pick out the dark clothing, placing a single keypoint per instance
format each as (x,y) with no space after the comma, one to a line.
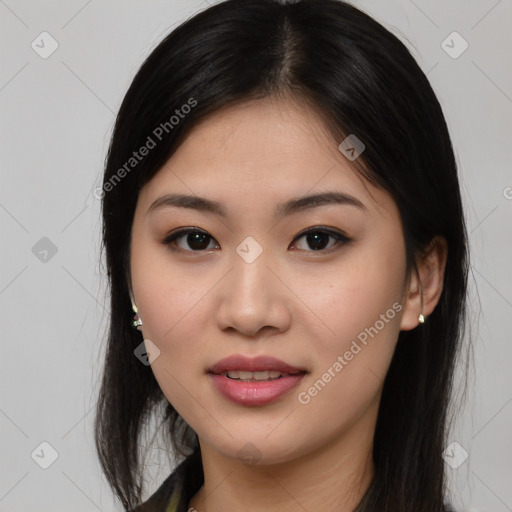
(177,490)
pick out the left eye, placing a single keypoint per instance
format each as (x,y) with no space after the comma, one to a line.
(318,238)
(199,240)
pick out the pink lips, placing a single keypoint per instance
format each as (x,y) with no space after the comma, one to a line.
(254,393)
(252,364)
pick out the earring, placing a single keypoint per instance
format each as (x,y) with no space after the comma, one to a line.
(136,319)
(421,319)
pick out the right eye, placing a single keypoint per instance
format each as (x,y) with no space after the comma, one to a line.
(196,239)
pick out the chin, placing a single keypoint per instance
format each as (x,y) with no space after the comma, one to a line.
(259,449)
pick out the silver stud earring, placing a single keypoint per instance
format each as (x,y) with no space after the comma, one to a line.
(137,322)
(421,319)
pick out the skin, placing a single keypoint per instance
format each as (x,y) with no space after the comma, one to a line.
(300,305)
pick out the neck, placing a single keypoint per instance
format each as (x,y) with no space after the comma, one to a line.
(333,477)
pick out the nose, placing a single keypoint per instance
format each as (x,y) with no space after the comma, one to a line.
(253,300)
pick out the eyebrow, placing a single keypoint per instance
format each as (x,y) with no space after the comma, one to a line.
(290,207)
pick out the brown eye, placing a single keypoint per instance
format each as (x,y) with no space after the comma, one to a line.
(196,240)
(318,239)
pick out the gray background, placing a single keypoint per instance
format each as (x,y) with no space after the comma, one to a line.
(57,116)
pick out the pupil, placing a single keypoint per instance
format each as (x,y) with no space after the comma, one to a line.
(196,241)
(313,240)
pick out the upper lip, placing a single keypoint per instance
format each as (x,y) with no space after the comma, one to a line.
(252,364)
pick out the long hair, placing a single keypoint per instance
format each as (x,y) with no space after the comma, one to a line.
(361,80)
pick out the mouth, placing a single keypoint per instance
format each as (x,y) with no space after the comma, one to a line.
(254,381)
(261,376)
(243,367)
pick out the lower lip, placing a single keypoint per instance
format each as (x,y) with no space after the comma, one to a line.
(253,393)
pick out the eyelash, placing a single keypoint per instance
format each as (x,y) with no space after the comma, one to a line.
(339,237)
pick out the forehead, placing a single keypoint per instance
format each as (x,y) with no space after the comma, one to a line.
(266,134)
(261,151)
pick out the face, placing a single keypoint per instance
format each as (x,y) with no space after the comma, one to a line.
(320,287)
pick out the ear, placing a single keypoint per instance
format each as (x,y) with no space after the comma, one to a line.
(425,283)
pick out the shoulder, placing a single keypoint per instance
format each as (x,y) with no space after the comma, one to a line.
(177,489)
(158,501)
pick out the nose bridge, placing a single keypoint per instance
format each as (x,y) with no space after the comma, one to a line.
(251,277)
(252,297)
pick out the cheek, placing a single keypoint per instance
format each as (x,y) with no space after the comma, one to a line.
(170,305)
(358,292)
(166,294)
(359,302)
(173,308)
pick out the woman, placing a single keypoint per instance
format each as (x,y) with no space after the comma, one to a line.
(283,226)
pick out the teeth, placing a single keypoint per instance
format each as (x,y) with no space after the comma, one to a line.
(267,375)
